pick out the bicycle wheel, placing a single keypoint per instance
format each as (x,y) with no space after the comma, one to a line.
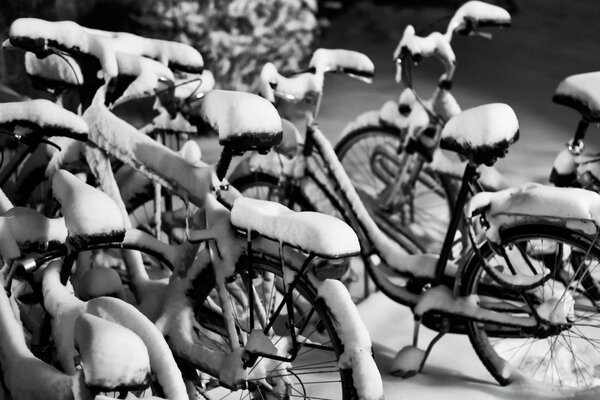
(313,373)
(371,160)
(265,186)
(564,352)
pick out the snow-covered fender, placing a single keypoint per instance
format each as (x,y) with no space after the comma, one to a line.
(532,203)
(388,116)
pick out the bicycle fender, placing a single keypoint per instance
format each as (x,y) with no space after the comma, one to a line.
(573,208)
(388,115)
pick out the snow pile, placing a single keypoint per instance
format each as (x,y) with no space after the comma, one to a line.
(310,231)
(55,68)
(535,202)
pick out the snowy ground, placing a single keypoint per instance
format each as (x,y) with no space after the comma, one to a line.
(521,66)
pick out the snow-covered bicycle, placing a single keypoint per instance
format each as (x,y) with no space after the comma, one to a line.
(391,155)
(241,293)
(526,283)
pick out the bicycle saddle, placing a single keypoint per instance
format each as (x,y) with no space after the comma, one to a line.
(39,36)
(91,215)
(43,115)
(54,73)
(322,234)
(481,134)
(113,357)
(24,228)
(581,93)
(243,121)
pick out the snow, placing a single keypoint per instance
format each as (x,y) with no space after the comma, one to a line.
(488,73)
(558,309)
(237,114)
(531,202)
(44,114)
(66,35)
(434,44)
(345,61)
(290,140)
(486,125)
(294,88)
(173,54)
(391,253)
(112,356)
(164,121)
(116,137)
(355,337)
(27,226)
(582,89)
(87,211)
(53,67)
(322,234)
(478,11)
(147,73)
(408,361)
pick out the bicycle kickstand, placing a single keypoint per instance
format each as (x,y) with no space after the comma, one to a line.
(410,360)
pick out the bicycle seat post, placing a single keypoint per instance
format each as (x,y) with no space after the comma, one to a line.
(469,175)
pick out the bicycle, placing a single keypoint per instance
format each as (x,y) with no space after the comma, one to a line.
(439,291)
(391,154)
(194,187)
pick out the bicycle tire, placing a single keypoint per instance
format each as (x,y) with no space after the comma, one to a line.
(313,321)
(434,197)
(509,353)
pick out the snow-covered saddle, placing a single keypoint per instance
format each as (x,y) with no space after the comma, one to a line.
(581,92)
(481,134)
(91,216)
(24,229)
(53,72)
(322,234)
(343,61)
(39,36)
(243,121)
(43,115)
